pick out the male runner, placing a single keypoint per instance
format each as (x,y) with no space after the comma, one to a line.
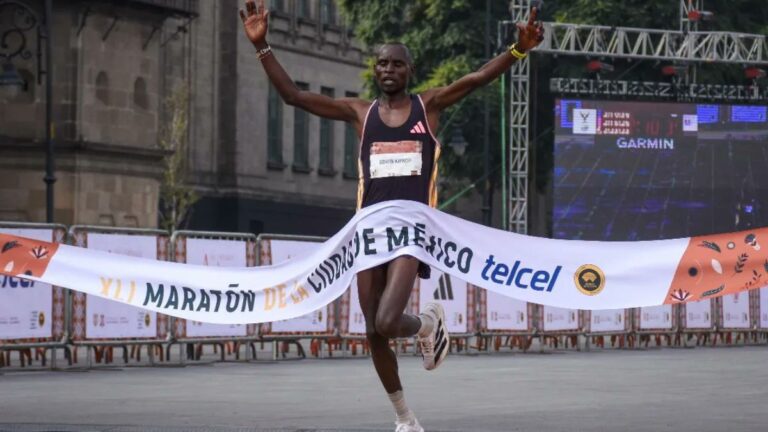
(397,123)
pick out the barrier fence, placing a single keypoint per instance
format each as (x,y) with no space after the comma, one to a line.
(100,324)
(37,319)
(215,249)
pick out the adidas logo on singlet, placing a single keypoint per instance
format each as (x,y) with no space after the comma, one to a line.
(418,129)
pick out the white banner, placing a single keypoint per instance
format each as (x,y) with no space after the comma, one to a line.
(506,313)
(356,317)
(451,293)
(26,307)
(557,273)
(559,319)
(215,253)
(106,318)
(763,295)
(656,317)
(313,322)
(612,320)
(735,311)
(698,315)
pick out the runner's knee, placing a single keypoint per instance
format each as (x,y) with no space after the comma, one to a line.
(387,325)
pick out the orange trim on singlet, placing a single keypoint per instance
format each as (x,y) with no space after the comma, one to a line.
(433,198)
(433,180)
(360,174)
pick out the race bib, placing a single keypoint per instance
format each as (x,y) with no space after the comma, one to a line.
(395,159)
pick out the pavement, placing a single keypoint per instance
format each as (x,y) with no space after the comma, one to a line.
(701,389)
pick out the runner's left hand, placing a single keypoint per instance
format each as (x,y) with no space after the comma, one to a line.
(530,34)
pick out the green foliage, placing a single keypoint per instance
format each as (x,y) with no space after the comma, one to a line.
(176,196)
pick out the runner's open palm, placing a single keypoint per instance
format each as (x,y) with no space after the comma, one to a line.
(255,21)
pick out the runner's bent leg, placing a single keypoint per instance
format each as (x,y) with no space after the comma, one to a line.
(391,319)
(370,286)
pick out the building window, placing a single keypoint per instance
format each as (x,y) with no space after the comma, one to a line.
(301,136)
(326,140)
(102,88)
(350,147)
(303,9)
(328,12)
(274,129)
(140,96)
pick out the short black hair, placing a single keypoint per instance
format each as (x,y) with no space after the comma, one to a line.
(408,56)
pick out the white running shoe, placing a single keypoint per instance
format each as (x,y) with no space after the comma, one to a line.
(434,348)
(410,425)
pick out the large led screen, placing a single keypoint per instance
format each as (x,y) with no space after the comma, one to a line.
(646,171)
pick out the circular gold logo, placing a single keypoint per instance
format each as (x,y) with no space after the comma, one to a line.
(41,319)
(147,320)
(589,279)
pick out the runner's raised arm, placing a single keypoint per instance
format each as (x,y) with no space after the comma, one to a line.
(256,22)
(529,36)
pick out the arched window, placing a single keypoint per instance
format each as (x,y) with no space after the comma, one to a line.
(140,97)
(102,87)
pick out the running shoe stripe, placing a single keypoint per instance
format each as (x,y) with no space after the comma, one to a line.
(440,350)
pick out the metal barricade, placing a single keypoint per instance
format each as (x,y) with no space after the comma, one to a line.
(558,326)
(98,324)
(615,324)
(218,249)
(504,321)
(319,326)
(35,315)
(699,320)
(657,323)
(736,317)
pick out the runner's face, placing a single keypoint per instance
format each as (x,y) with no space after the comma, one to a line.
(392,69)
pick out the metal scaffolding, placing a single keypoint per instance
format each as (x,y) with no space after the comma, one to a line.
(687,45)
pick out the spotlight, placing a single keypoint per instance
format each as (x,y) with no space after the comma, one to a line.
(596,66)
(697,15)
(754,73)
(674,70)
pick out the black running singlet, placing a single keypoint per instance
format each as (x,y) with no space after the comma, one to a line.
(398,162)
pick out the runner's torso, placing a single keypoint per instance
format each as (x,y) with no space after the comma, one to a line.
(398,162)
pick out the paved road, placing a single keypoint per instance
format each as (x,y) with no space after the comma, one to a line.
(702,389)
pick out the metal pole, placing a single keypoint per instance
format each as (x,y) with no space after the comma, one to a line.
(50,178)
(487,126)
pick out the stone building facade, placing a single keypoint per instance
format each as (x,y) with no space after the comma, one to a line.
(257,165)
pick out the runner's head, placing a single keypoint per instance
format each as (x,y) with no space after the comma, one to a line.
(393,68)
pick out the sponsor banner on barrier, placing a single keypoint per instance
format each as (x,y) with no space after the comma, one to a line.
(451,293)
(698,315)
(735,311)
(106,318)
(26,307)
(763,299)
(505,313)
(611,320)
(356,317)
(215,253)
(559,319)
(557,273)
(313,322)
(655,318)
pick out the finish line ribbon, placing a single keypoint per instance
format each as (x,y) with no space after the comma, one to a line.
(564,273)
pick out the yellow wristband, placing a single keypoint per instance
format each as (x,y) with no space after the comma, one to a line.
(515,53)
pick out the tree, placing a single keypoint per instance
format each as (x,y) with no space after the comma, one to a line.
(176,196)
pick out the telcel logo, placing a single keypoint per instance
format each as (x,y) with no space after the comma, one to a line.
(522,277)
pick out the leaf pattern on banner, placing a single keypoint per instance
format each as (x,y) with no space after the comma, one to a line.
(710,245)
(10,245)
(740,262)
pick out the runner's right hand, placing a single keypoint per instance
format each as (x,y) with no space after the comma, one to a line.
(255,21)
